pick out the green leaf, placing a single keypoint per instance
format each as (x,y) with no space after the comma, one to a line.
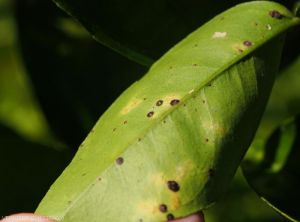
(177,136)
(72,66)
(142,30)
(270,159)
(276,178)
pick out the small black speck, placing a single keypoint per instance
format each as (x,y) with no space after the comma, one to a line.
(173,185)
(163,208)
(159,102)
(99,179)
(114,129)
(125,122)
(174,102)
(195,64)
(150,114)
(211,172)
(203,101)
(144,98)
(275,14)
(206,140)
(209,84)
(170,217)
(247,43)
(120,160)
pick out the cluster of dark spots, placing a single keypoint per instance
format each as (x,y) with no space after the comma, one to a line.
(174,102)
(247,43)
(150,114)
(173,185)
(275,14)
(159,102)
(125,122)
(120,160)
(211,172)
(163,208)
(170,217)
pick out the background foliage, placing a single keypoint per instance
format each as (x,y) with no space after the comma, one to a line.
(56,80)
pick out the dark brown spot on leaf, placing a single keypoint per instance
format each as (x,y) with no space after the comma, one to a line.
(114,129)
(275,14)
(173,185)
(174,102)
(125,122)
(203,101)
(120,160)
(195,64)
(170,217)
(163,208)
(150,114)
(206,140)
(159,102)
(247,43)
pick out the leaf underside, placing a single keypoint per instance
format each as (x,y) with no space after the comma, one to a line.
(187,122)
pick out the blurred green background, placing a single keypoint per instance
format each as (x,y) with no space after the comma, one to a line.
(56,80)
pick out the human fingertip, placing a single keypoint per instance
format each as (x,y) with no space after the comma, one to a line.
(26,217)
(198,217)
